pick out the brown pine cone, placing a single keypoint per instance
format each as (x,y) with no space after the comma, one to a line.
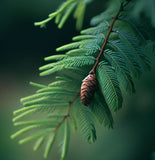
(88,88)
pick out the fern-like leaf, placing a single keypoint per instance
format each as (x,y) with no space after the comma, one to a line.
(49,144)
(65,140)
(101,110)
(112,50)
(122,73)
(86,124)
(64,11)
(109,86)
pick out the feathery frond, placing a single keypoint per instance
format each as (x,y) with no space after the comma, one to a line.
(86,124)
(64,11)
(111,50)
(109,86)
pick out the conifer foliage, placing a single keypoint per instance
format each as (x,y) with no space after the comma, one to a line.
(98,67)
(64,11)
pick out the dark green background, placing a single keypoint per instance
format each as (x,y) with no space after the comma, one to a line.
(22,49)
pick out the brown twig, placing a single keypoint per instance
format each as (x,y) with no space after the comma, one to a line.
(68,113)
(106,53)
(106,39)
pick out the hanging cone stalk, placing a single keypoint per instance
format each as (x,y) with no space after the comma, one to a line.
(88,88)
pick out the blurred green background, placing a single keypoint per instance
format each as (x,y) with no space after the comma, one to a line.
(22,49)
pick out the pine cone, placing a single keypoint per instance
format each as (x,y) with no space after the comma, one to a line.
(88,88)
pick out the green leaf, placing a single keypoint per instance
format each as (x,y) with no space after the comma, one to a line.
(24,114)
(31,107)
(66,15)
(68,46)
(79,14)
(64,8)
(100,109)
(121,70)
(38,143)
(96,30)
(129,42)
(83,37)
(23,130)
(37,85)
(49,144)
(109,86)
(69,63)
(86,124)
(55,57)
(64,11)
(128,57)
(66,138)
(46,122)
(38,135)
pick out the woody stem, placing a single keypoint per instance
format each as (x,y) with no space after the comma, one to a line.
(106,39)
(68,113)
